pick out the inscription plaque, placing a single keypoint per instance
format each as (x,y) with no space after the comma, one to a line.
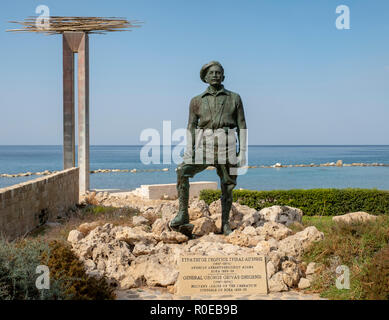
(222,275)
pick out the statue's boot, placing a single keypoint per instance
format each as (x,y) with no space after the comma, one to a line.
(226,229)
(180,222)
(226,202)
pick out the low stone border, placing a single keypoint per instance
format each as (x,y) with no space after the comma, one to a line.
(162,294)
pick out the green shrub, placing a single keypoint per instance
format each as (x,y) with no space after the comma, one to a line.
(69,271)
(18,263)
(324,202)
(68,280)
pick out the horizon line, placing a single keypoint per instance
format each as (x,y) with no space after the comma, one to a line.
(250,145)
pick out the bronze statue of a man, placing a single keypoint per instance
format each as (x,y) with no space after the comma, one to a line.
(216,113)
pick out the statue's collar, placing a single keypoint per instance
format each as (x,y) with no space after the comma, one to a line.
(209,91)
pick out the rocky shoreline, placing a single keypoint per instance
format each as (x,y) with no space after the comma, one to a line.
(338,163)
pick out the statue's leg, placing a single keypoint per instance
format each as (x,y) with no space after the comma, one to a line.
(184,172)
(182,216)
(227,183)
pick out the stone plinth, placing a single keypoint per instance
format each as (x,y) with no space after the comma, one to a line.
(161,191)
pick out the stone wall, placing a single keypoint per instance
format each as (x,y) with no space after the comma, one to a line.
(27,205)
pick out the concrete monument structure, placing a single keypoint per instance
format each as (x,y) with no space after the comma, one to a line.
(75,39)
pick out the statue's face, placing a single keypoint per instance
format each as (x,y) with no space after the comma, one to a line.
(214,75)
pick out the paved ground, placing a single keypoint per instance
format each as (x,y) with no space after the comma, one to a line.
(162,294)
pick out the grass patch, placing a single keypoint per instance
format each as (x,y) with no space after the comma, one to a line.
(89,213)
(354,245)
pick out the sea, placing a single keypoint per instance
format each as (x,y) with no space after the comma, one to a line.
(18,159)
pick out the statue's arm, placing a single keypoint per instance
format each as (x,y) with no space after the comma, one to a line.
(242,130)
(192,125)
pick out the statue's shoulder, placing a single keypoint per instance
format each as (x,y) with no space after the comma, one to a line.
(233,94)
(196,99)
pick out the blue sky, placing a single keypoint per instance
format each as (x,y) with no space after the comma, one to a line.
(302,81)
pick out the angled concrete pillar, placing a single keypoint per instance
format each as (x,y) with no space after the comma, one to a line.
(76,42)
(68,105)
(83,113)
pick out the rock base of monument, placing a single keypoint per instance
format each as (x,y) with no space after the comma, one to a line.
(147,253)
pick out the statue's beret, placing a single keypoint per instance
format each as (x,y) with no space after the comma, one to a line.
(205,67)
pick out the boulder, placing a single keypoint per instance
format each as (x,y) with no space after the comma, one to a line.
(274,230)
(266,246)
(215,210)
(139,220)
(270,269)
(75,236)
(133,235)
(250,231)
(171,237)
(150,215)
(155,270)
(241,239)
(294,246)
(160,226)
(282,214)
(291,273)
(354,217)
(198,209)
(311,268)
(87,227)
(249,216)
(203,226)
(276,283)
(304,283)
(143,248)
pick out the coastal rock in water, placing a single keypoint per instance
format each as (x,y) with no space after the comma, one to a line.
(339,163)
(354,217)
(282,214)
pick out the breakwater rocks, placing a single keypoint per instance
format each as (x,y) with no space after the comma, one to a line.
(338,163)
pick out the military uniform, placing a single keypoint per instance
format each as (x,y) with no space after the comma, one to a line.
(209,113)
